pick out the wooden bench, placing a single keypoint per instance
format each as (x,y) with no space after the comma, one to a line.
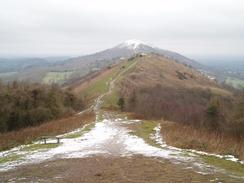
(45,138)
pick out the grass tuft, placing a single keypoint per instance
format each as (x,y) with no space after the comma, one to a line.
(34,147)
(144,130)
(228,165)
(8,158)
(80,133)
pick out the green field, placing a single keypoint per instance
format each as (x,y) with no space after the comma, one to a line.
(7,74)
(236,83)
(56,77)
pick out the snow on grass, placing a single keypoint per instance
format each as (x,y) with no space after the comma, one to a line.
(159,139)
(108,137)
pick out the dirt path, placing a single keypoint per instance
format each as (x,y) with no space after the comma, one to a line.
(137,169)
(110,140)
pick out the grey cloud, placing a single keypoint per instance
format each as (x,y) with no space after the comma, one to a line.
(63,27)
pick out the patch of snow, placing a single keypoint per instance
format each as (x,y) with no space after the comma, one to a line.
(131,44)
(107,137)
(110,138)
(158,137)
(226,157)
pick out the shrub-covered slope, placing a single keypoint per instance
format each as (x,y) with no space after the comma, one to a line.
(159,87)
(23,104)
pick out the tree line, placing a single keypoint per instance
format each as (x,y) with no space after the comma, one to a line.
(24,104)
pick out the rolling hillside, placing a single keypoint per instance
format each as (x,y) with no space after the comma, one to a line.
(180,97)
(175,104)
(80,66)
(161,87)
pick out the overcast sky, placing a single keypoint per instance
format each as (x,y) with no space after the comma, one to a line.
(194,28)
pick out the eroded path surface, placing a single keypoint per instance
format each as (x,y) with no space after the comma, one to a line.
(107,151)
(136,169)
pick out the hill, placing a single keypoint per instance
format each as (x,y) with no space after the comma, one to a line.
(161,87)
(177,96)
(180,97)
(151,87)
(78,67)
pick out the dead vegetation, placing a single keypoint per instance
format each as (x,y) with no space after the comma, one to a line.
(56,127)
(188,137)
(26,104)
(161,88)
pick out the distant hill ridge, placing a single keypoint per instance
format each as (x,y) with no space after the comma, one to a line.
(83,65)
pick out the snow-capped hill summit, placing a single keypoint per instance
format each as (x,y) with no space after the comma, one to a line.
(125,50)
(131,44)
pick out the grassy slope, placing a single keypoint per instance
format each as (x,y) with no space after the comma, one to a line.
(153,70)
(92,88)
(158,90)
(110,101)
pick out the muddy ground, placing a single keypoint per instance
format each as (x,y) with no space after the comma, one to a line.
(136,169)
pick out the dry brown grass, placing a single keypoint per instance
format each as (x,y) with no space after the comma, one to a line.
(26,135)
(162,88)
(187,137)
(153,70)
